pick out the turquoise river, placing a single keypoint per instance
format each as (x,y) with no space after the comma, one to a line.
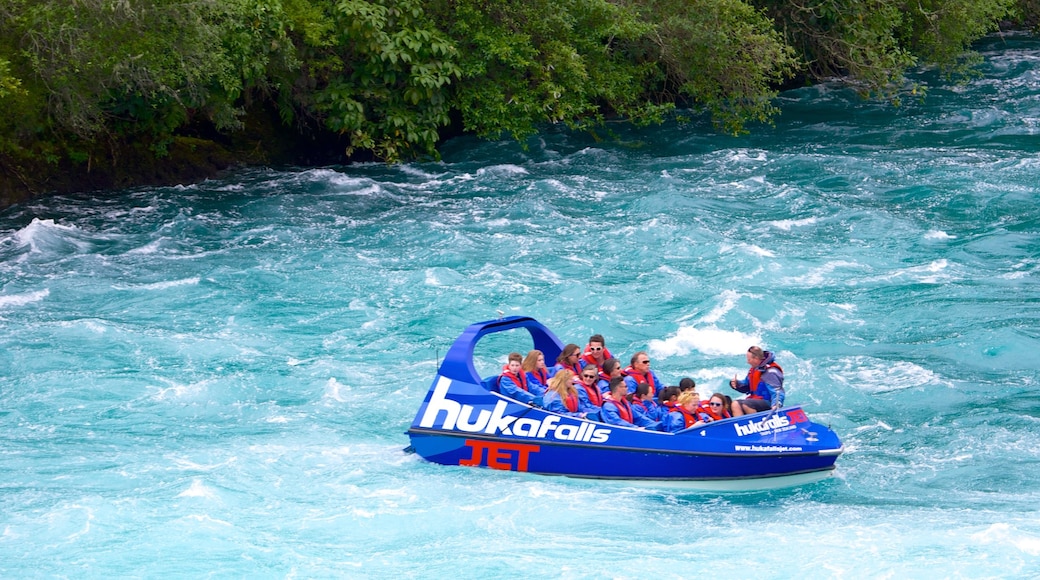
(215,380)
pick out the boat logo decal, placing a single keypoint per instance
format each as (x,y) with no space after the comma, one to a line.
(771,424)
(505,456)
(457,416)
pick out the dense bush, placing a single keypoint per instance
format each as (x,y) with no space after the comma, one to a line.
(81,81)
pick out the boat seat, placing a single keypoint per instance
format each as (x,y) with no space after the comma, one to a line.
(491,383)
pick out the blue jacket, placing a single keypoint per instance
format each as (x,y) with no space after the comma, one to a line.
(650,408)
(676,420)
(508,386)
(553,402)
(533,379)
(673,422)
(632,383)
(769,378)
(558,367)
(612,416)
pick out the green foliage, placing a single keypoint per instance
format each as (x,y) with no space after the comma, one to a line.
(873,42)
(79,78)
(723,54)
(940,32)
(9,85)
(103,70)
(544,61)
(389,94)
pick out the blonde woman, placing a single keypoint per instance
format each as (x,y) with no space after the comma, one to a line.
(562,397)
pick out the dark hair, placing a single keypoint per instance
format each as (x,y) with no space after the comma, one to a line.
(642,389)
(597,338)
(614,382)
(562,359)
(515,356)
(610,365)
(667,393)
(757,352)
(687,383)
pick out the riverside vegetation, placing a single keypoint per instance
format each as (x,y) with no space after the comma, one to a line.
(110,93)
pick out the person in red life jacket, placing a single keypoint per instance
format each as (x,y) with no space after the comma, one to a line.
(611,370)
(718,407)
(764,384)
(513,381)
(684,414)
(568,359)
(596,352)
(587,388)
(562,396)
(643,403)
(618,411)
(533,366)
(639,372)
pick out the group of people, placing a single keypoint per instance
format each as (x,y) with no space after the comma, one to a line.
(591,383)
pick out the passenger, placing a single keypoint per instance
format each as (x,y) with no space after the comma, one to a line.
(596,352)
(643,403)
(611,369)
(587,388)
(568,359)
(618,411)
(562,397)
(639,372)
(764,384)
(718,408)
(685,414)
(513,381)
(668,397)
(534,366)
(686,384)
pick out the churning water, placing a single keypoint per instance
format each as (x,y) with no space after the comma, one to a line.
(215,380)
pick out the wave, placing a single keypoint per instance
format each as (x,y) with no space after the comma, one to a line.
(13,300)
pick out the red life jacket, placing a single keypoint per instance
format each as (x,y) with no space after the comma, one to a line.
(707,409)
(576,369)
(688,417)
(520,380)
(754,376)
(624,409)
(595,397)
(571,402)
(639,377)
(542,375)
(589,359)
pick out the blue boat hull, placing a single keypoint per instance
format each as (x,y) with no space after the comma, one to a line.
(461,422)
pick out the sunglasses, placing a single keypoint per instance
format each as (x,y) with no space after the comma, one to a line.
(715,404)
(644,362)
(595,348)
(589,376)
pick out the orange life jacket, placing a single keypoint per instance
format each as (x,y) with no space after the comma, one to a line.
(754,376)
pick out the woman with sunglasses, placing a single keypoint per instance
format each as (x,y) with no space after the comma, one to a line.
(568,359)
(718,407)
(588,390)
